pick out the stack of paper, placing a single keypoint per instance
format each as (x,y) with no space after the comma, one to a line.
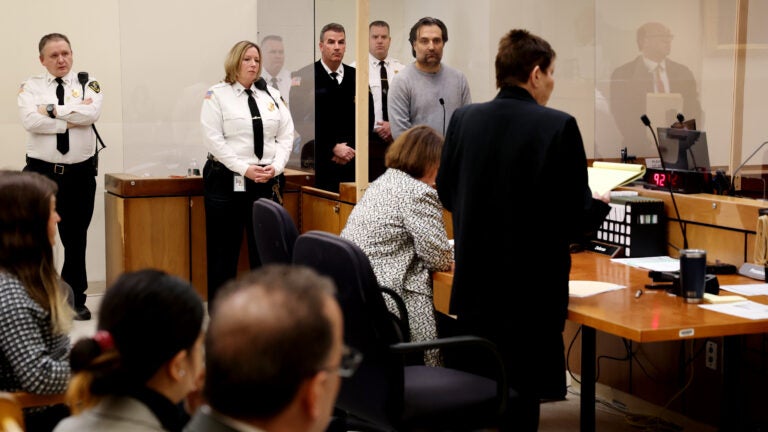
(606,176)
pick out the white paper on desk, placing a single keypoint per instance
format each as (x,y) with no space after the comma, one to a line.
(747,290)
(658,263)
(585,288)
(744,309)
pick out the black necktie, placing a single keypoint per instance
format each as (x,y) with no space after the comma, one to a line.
(258,131)
(273,82)
(333,76)
(384,90)
(62,139)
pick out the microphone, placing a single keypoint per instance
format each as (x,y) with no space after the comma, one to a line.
(731,189)
(261,84)
(442,103)
(646,121)
(82,78)
(680,118)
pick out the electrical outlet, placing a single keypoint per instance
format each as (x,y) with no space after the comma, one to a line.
(710,353)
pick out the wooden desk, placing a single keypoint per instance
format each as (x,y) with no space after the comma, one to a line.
(653,317)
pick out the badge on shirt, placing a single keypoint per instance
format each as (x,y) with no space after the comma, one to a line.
(271,106)
(239,183)
(75,94)
(94,85)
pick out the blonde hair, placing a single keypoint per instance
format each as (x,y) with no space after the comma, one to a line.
(235,57)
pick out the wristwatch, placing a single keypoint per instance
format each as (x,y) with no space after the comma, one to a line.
(49,108)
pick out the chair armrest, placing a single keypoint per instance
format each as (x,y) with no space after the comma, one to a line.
(27,400)
(11,416)
(402,321)
(502,389)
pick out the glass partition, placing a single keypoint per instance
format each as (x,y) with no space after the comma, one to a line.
(601,75)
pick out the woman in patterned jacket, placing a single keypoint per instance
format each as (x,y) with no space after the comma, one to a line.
(399,225)
(35,317)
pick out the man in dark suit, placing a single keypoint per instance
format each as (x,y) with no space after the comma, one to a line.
(333,93)
(650,72)
(274,354)
(509,167)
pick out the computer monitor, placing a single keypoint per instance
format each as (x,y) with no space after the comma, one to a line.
(684,149)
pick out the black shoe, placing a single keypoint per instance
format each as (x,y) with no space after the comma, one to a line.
(82,313)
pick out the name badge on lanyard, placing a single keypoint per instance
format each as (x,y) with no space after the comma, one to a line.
(239,183)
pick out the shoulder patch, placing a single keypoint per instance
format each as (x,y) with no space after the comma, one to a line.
(208,94)
(94,85)
(295,81)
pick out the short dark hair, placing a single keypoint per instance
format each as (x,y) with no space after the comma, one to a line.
(415,151)
(271,37)
(331,27)
(378,23)
(257,360)
(49,37)
(425,22)
(520,52)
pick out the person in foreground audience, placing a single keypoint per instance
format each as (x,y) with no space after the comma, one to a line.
(501,164)
(34,315)
(274,354)
(399,225)
(144,359)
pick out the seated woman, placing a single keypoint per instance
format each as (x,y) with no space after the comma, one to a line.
(399,225)
(35,317)
(143,361)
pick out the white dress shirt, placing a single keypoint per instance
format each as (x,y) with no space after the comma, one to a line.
(41,140)
(228,127)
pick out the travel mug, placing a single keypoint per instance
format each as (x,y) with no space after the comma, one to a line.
(693,271)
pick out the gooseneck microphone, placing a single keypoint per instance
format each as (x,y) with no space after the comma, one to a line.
(646,121)
(731,188)
(442,103)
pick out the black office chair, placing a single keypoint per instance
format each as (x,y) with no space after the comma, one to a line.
(274,230)
(387,394)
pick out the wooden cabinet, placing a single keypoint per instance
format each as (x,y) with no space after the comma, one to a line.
(155,222)
(159,222)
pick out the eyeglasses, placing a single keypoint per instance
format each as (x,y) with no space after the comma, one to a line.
(350,361)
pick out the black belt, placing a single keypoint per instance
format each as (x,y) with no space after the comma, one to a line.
(41,166)
(212,158)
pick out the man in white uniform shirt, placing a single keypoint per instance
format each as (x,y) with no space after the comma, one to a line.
(273,63)
(58,113)
(381,69)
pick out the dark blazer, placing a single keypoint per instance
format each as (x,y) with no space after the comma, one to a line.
(334,120)
(629,85)
(204,422)
(514,175)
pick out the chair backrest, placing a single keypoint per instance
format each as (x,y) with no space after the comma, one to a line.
(274,231)
(375,392)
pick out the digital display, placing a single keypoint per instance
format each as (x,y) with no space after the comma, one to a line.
(681,181)
(665,179)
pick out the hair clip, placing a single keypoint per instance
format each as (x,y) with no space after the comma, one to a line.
(104,339)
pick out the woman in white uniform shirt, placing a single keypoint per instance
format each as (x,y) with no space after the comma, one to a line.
(234,176)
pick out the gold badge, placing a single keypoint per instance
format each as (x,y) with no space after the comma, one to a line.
(75,94)
(271,106)
(94,85)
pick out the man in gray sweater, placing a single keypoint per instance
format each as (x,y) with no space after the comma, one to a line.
(426,91)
